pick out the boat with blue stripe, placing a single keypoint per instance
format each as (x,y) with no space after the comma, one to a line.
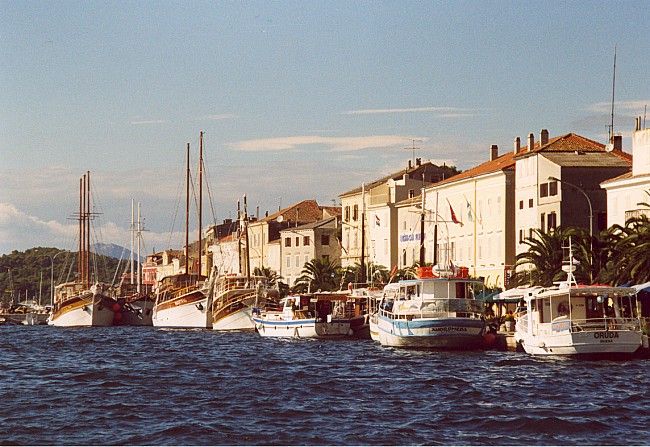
(438,310)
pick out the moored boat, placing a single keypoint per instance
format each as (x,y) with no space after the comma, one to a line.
(183,301)
(312,315)
(439,310)
(580,320)
(79,302)
(234,298)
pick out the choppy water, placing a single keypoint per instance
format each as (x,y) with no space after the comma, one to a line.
(146,386)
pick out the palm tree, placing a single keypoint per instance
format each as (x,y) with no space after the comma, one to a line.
(627,260)
(270,274)
(318,274)
(541,265)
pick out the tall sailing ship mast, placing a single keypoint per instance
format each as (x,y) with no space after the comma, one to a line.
(184,299)
(81,302)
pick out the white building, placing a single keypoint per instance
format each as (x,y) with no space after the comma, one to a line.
(629,194)
(479,235)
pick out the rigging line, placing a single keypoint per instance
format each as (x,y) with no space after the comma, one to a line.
(179,194)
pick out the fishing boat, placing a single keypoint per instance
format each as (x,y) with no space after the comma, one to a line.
(571,319)
(312,315)
(438,310)
(80,302)
(184,300)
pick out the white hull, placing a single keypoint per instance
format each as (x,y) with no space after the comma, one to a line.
(189,315)
(239,321)
(92,314)
(374,327)
(582,343)
(442,333)
(303,328)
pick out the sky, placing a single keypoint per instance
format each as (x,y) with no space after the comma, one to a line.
(297,99)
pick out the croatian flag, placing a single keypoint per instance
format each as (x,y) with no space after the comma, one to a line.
(377,221)
(453,215)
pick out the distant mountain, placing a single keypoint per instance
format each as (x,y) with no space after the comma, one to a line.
(113,251)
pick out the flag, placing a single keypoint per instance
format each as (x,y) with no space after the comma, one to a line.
(470,215)
(392,273)
(377,221)
(453,215)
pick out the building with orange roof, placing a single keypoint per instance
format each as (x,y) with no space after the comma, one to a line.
(469,221)
(558,182)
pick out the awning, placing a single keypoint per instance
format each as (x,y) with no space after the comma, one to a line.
(640,287)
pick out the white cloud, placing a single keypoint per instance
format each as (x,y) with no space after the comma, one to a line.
(407,110)
(620,106)
(139,123)
(333,144)
(216,117)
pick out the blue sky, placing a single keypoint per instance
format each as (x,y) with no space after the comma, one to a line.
(298,100)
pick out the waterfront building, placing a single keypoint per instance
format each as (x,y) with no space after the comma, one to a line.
(300,245)
(628,195)
(474,215)
(263,233)
(372,207)
(558,182)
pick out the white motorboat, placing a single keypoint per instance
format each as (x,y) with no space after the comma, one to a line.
(439,310)
(584,320)
(315,315)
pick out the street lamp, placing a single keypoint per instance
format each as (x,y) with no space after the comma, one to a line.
(52,275)
(591,211)
(591,220)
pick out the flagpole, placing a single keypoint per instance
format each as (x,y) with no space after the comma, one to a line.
(435,235)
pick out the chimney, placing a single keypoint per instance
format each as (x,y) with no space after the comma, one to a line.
(543,137)
(418,162)
(410,165)
(517,145)
(618,142)
(494,152)
(637,121)
(531,142)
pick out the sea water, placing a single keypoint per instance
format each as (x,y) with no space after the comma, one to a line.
(149,386)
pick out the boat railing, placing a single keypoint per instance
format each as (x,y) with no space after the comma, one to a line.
(236,297)
(432,308)
(598,324)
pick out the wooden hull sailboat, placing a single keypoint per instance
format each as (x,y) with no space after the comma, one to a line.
(79,303)
(184,300)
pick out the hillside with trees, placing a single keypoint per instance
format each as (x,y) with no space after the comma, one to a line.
(28,274)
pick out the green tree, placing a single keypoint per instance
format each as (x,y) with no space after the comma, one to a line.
(318,274)
(627,253)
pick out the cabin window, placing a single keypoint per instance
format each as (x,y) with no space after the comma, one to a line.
(460,290)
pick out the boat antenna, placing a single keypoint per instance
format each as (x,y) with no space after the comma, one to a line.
(611,135)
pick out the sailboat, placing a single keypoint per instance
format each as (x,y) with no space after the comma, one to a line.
(236,296)
(136,302)
(80,303)
(183,300)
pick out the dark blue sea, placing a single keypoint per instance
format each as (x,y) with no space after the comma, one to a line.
(146,386)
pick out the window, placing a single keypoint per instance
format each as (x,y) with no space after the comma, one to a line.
(542,222)
(521,236)
(521,204)
(297,260)
(347,214)
(305,241)
(297,241)
(325,239)
(288,261)
(355,213)
(543,190)
(530,203)
(530,233)
(411,193)
(552,188)
(287,242)
(552,221)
